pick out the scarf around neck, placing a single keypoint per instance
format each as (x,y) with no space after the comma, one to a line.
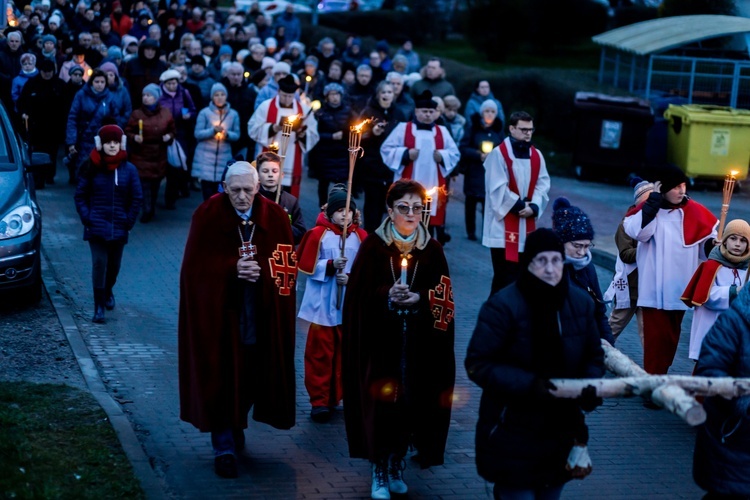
(387,232)
(721,255)
(107,162)
(581,263)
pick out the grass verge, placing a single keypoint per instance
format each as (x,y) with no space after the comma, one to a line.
(56,442)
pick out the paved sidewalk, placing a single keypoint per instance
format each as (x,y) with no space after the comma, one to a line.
(637,453)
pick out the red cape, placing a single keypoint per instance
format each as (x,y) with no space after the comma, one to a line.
(372,345)
(697,291)
(309,247)
(213,369)
(697,221)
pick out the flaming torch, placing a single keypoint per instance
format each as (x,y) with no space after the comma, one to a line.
(729,182)
(286,132)
(355,151)
(428,208)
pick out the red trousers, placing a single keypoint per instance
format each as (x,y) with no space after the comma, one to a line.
(661,334)
(323,365)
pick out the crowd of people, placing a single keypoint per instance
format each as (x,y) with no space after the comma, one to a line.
(135,92)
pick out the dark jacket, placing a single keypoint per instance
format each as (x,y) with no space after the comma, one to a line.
(242,99)
(175,104)
(139,72)
(358,95)
(204,82)
(108,202)
(522,439)
(471,164)
(290,204)
(150,157)
(587,280)
(10,66)
(722,447)
(329,159)
(372,167)
(405,103)
(44,102)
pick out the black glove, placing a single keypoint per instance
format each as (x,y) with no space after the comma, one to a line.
(588,401)
(540,388)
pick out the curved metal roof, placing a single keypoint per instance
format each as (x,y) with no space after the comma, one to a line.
(659,35)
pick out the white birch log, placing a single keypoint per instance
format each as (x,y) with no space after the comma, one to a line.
(726,387)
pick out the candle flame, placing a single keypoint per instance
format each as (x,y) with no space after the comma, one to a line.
(274,146)
(308,78)
(432,191)
(404,262)
(246,74)
(315,105)
(292,118)
(358,128)
(734,173)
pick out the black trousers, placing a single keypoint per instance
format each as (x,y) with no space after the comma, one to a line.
(470,213)
(150,189)
(505,272)
(177,182)
(106,257)
(374,208)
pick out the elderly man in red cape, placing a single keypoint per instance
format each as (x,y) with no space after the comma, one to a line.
(237,316)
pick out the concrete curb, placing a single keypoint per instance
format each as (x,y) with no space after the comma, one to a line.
(152,486)
(604,259)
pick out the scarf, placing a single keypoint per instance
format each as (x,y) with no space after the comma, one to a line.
(390,236)
(721,255)
(107,162)
(581,263)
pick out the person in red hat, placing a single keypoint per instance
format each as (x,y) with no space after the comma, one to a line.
(108,198)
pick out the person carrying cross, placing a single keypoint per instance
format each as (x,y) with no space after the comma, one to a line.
(237,316)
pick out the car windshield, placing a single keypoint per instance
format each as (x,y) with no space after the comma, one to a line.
(7,162)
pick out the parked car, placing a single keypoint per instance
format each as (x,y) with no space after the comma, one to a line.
(20,216)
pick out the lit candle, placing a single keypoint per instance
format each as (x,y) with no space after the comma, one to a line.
(315,105)
(487,147)
(404,263)
(274,147)
(729,182)
(308,79)
(428,206)
(140,128)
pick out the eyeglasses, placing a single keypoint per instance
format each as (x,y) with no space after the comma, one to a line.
(542,262)
(526,130)
(405,209)
(582,246)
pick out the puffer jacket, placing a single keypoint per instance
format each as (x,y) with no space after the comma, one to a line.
(121,99)
(329,159)
(521,440)
(150,156)
(85,119)
(18,82)
(107,201)
(212,154)
(722,448)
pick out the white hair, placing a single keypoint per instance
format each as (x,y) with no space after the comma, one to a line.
(241,168)
(394,75)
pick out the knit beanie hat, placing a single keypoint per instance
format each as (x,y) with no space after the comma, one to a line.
(75,69)
(109,133)
(333,87)
(218,87)
(281,67)
(740,228)
(170,74)
(541,240)
(488,104)
(424,100)
(288,85)
(114,52)
(54,19)
(640,187)
(109,66)
(670,178)
(337,201)
(199,60)
(258,77)
(570,223)
(152,89)
(225,50)
(49,38)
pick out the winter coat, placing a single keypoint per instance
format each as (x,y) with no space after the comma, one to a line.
(405,104)
(175,104)
(44,102)
(139,72)
(472,165)
(107,201)
(722,447)
(372,167)
(439,87)
(150,156)
(211,154)
(121,98)
(86,117)
(10,66)
(587,280)
(359,95)
(18,82)
(475,103)
(329,159)
(242,99)
(523,440)
(204,82)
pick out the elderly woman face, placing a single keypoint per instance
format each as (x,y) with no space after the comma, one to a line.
(406,213)
(489,115)
(577,249)
(548,267)
(385,96)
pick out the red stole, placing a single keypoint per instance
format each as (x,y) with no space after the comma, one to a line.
(513,221)
(309,247)
(273,112)
(697,291)
(410,142)
(697,221)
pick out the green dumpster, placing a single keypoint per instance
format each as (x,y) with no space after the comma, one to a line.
(708,142)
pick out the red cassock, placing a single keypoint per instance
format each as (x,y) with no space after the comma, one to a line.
(218,385)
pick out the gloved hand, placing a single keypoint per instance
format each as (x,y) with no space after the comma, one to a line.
(540,388)
(588,400)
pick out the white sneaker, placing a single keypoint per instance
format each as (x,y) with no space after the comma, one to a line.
(380,482)
(396,482)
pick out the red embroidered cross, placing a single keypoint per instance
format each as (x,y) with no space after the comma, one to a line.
(283,262)
(511,236)
(441,303)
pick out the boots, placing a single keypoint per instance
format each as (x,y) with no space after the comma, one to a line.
(396,475)
(109,302)
(99,299)
(379,489)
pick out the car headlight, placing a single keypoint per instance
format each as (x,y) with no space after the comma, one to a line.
(17,223)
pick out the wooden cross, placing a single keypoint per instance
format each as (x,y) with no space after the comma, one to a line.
(283,263)
(441,303)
